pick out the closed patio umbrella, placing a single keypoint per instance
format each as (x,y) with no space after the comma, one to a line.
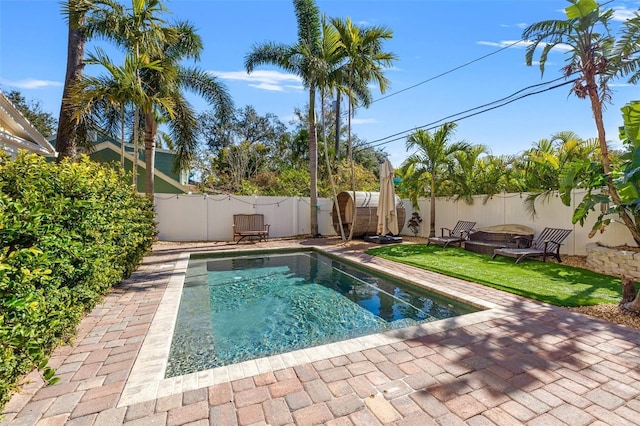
(387,215)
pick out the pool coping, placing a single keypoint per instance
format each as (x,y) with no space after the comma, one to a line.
(146,380)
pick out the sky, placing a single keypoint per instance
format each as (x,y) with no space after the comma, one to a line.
(461,39)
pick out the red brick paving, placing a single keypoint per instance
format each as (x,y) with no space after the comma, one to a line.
(539,365)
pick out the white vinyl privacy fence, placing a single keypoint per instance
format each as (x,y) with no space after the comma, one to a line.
(209,217)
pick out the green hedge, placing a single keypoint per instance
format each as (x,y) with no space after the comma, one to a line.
(68,233)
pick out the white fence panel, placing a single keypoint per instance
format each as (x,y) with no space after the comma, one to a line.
(181,217)
(209,218)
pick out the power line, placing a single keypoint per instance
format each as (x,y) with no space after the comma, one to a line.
(384,141)
(447,72)
(472,109)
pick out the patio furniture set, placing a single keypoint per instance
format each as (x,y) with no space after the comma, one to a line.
(515,241)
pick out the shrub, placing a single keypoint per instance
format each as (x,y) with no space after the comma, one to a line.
(414,223)
(68,233)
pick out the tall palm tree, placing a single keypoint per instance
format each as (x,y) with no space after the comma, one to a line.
(169,81)
(142,31)
(302,59)
(328,80)
(97,101)
(365,61)
(434,153)
(139,30)
(592,61)
(67,137)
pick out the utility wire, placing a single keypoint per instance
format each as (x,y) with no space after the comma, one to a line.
(471,109)
(384,141)
(447,72)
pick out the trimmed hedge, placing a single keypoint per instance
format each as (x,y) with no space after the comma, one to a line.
(68,233)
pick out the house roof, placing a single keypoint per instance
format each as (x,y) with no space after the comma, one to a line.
(16,132)
(111,147)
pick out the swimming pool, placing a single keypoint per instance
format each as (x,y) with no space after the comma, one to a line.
(238,308)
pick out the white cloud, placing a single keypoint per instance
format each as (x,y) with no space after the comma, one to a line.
(363,120)
(621,85)
(521,25)
(503,43)
(522,43)
(621,13)
(31,83)
(270,80)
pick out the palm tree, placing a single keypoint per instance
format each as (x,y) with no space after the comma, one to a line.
(142,32)
(67,137)
(168,83)
(465,172)
(108,19)
(328,80)
(434,153)
(365,60)
(593,60)
(547,160)
(97,101)
(302,59)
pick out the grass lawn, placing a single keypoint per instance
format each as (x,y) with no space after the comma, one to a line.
(548,282)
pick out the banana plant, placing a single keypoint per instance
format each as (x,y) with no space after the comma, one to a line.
(624,177)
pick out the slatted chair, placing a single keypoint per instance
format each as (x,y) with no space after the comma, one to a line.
(458,234)
(250,226)
(546,244)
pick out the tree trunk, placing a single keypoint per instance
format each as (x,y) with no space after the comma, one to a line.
(633,306)
(66,138)
(122,123)
(628,290)
(150,131)
(432,213)
(136,126)
(328,163)
(338,125)
(596,107)
(350,157)
(313,162)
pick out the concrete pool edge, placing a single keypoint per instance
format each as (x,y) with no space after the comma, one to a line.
(146,380)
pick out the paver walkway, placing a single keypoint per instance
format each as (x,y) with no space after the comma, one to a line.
(524,363)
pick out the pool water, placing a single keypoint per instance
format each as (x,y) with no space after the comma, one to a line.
(241,308)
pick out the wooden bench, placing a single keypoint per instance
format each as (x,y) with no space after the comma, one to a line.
(250,225)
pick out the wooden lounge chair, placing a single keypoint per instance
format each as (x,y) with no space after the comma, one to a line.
(547,244)
(458,234)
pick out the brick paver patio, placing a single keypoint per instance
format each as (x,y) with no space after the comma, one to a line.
(521,362)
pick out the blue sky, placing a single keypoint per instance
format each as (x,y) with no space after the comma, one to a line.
(430,38)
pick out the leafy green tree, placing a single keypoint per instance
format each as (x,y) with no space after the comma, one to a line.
(300,59)
(592,63)
(544,163)
(430,163)
(32,110)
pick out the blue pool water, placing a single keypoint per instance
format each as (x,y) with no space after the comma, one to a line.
(240,308)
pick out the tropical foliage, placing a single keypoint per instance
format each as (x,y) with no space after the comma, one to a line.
(426,168)
(152,79)
(594,59)
(32,111)
(68,233)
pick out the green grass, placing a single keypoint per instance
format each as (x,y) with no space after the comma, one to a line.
(548,282)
